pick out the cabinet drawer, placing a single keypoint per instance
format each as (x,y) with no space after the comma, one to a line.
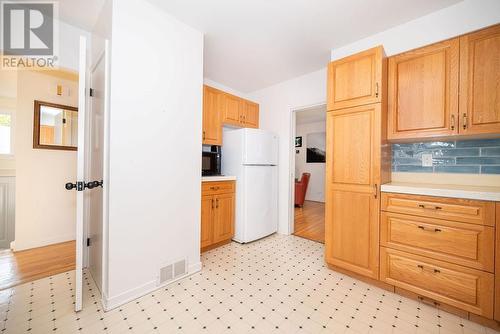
(465,288)
(465,244)
(220,187)
(461,210)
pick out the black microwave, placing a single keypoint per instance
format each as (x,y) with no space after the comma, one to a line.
(211,162)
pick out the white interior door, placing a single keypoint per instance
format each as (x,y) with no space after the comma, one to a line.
(96,159)
(80,173)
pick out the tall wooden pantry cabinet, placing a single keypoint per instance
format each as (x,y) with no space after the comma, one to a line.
(356,132)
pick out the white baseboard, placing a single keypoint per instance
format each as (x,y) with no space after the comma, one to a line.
(19,246)
(110,303)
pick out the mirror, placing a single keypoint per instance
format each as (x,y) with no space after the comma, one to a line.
(55,126)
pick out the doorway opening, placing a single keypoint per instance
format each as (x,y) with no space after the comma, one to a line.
(308,165)
(38,132)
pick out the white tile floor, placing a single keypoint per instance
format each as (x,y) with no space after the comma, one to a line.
(276,285)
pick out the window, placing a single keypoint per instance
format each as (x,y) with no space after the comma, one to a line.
(6,134)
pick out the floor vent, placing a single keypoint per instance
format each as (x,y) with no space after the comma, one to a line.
(172,271)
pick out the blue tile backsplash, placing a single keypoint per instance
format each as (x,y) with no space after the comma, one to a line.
(461,156)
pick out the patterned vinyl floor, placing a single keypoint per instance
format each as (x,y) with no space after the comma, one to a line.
(276,285)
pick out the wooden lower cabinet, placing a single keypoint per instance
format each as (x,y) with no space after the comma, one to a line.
(223,225)
(455,209)
(465,288)
(207,220)
(442,250)
(497,266)
(469,245)
(217,214)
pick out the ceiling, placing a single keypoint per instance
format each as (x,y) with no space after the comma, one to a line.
(311,115)
(80,13)
(253,44)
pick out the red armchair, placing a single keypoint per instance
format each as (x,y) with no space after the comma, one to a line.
(301,189)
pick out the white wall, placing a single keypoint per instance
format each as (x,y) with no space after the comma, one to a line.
(276,105)
(155,136)
(316,187)
(461,18)
(45,210)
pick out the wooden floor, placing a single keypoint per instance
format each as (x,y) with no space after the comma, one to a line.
(29,265)
(310,221)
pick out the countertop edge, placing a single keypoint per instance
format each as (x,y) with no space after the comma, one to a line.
(442,192)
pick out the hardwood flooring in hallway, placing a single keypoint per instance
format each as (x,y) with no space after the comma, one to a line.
(310,221)
(32,264)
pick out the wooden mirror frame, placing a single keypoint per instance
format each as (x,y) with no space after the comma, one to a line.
(36,127)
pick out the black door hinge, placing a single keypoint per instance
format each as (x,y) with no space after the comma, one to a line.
(91,92)
(88,242)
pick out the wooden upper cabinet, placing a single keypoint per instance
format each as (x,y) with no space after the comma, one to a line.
(233,110)
(423,92)
(356,80)
(212,108)
(239,112)
(480,82)
(251,116)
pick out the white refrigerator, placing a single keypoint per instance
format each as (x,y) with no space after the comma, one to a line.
(252,156)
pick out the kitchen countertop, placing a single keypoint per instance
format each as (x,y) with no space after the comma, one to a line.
(218,178)
(444,190)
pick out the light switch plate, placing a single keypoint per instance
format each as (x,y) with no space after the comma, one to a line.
(427,160)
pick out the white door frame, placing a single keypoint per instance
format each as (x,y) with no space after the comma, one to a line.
(291,193)
(81,172)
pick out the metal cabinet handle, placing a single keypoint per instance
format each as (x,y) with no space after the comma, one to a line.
(434,270)
(214,188)
(453,122)
(375,188)
(217,203)
(213,206)
(428,302)
(423,206)
(376,89)
(465,121)
(430,229)
(203,135)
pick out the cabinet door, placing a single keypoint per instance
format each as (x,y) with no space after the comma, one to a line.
(223,227)
(251,117)
(423,92)
(480,82)
(233,110)
(356,80)
(212,126)
(497,265)
(352,200)
(207,218)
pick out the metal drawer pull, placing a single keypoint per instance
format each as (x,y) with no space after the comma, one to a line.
(214,188)
(423,206)
(429,229)
(428,302)
(436,271)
